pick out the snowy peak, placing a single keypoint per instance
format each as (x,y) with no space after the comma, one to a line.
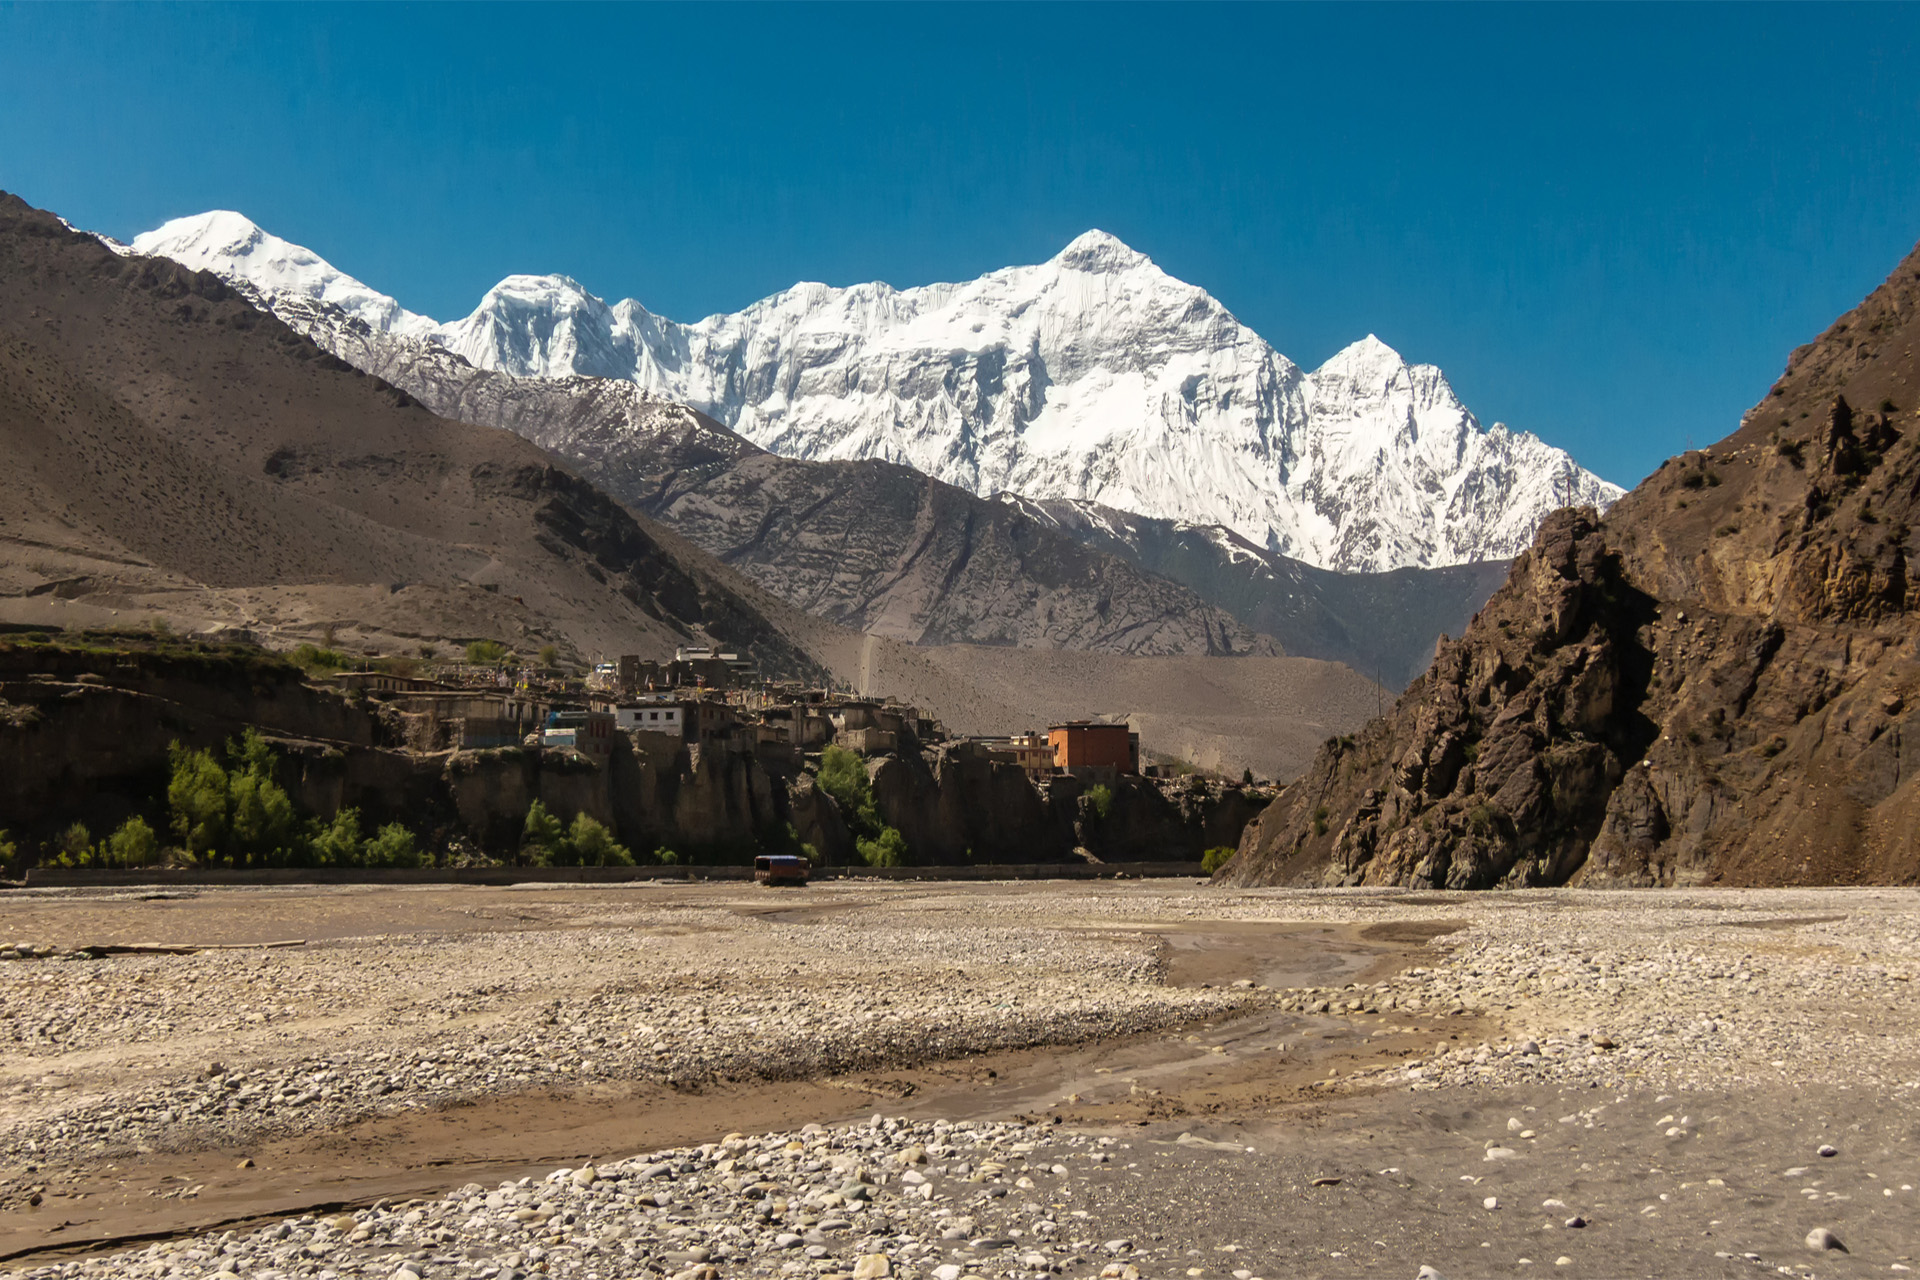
(1097,252)
(1368,360)
(232,246)
(1094,377)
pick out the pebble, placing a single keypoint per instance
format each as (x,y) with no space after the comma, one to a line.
(1821,1239)
(712,1225)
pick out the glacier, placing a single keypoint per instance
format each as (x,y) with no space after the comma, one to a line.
(1094,377)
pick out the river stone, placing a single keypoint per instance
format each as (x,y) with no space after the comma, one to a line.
(1820,1240)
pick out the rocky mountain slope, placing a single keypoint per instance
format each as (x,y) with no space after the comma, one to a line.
(1381,624)
(1717,682)
(879,548)
(871,546)
(1092,376)
(172,451)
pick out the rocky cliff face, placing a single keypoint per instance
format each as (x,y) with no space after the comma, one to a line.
(85,736)
(955,806)
(1717,683)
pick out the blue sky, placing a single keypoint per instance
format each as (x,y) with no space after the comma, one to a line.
(1608,224)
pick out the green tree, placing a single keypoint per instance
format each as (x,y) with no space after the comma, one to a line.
(1100,800)
(134,845)
(843,775)
(1215,858)
(543,839)
(261,821)
(665,856)
(1246,776)
(8,849)
(392,846)
(888,849)
(594,845)
(549,655)
(197,797)
(76,846)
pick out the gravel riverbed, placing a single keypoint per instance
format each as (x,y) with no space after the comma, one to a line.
(1591,1006)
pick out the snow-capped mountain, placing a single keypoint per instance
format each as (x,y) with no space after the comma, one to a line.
(1094,376)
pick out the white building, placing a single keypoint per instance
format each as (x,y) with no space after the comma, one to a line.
(653,717)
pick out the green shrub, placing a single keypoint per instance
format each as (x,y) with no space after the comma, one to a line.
(392,846)
(1215,858)
(543,840)
(1100,800)
(134,844)
(594,846)
(487,652)
(549,656)
(197,797)
(1320,821)
(337,843)
(666,857)
(77,843)
(888,849)
(314,658)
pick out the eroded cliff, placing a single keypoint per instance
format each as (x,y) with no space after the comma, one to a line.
(1715,683)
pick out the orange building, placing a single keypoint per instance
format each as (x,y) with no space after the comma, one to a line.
(1081,744)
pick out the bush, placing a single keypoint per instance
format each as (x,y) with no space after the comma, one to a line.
(888,849)
(1100,800)
(337,843)
(546,842)
(549,656)
(542,838)
(1215,858)
(666,857)
(391,846)
(487,652)
(314,658)
(1320,821)
(76,844)
(134,845)
(592,845)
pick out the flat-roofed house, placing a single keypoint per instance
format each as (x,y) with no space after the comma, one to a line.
(1085,745)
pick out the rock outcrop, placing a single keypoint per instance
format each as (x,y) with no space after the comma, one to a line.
(1716,683)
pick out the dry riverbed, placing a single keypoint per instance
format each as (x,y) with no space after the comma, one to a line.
(940,1081)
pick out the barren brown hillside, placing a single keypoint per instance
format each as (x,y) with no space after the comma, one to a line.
(174,451)
(1716,683)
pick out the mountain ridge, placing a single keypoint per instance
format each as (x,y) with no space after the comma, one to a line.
(1094,376)
(851,540)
